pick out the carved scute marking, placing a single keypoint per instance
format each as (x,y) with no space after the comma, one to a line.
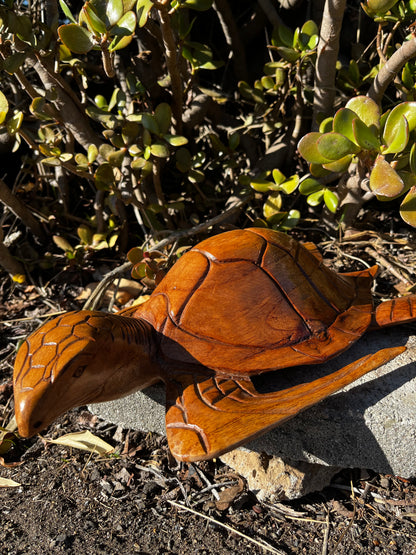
(203,438)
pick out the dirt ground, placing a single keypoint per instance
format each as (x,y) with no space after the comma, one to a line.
(139,500)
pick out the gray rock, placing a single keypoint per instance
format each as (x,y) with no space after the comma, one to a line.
(369,424)
(272,478)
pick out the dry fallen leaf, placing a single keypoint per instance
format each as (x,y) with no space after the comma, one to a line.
(85,441)
(6,483)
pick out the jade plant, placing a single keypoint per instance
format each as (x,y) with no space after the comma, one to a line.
(283,77)
(106,25)
(382,145)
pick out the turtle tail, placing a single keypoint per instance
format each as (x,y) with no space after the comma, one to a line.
(396,311)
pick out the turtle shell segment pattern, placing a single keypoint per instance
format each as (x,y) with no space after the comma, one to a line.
(254,300)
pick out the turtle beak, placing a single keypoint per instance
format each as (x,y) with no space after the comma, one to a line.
(40,402)
(79,358)
(39,382)
(32,411)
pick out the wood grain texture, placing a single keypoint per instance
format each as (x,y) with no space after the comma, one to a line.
(237,305)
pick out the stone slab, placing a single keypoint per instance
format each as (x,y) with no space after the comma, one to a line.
(369,424)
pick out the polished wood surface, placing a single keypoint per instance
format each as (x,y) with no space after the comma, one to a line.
(239,304)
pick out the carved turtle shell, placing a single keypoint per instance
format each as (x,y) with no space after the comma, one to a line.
(251,301)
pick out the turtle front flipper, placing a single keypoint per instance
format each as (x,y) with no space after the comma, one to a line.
(206,417)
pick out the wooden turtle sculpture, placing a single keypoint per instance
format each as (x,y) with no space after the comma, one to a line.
(236,305)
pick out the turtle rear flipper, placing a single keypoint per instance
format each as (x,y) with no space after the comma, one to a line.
(206,417)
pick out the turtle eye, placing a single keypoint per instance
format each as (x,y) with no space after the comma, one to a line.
(79,371)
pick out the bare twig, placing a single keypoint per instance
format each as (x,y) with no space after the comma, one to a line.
(326,535)
(261,544)
(95,297)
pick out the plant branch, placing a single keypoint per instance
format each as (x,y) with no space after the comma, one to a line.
(71,114)
(9,263)
(234,208)
(172,64)
(326,59)
(20,210)
(389,71)
(232,37)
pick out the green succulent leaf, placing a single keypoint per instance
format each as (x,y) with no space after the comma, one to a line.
(406,109)
(175,140)
(76,38)
(412,158)
(284,36)
(334,146)
(81,161)
(143,8)
(365,136)
(396,134)
(315,198)
(159,150)
(310,28)
(149,122)
(234,140)
(125,26)
(104,176)
(94,23)
(384,180)
(343,123)
(331,200)
(14,123)
(163,116)
(101,102)
(407,77)
(326,125)
(379,7)
(4,107)
(67,11)
(366,109)
(114,10)
(135,255)
(290,184)
(309,186)
(308,148)
(278,176)
(119,42)
(289,54)
(183,160)
(261,185)
(272,205)
(340,165)
(291,220)
(408,207)
(199,55)
(317,170)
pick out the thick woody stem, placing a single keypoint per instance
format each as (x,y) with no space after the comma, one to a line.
(232,37)
(389,71)
(327,58)
(172,64)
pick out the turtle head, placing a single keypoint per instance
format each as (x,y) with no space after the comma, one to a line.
(78,358)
